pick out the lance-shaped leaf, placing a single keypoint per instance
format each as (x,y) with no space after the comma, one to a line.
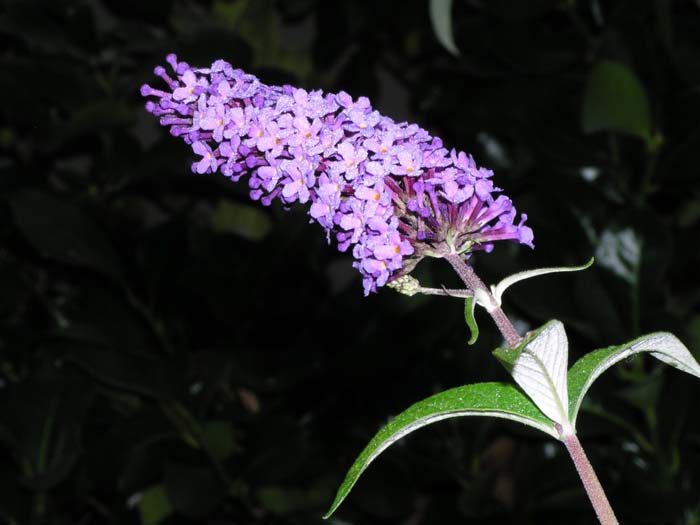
(469,304)
(662,345)
(615,100)
(498,289)
(500,400)
(539,365)
(441,18)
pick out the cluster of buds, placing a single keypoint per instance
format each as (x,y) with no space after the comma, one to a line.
(389,191)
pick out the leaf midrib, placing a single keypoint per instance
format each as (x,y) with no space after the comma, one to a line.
(557,398)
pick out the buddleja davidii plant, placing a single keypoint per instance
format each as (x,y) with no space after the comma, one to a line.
(392,194)
(547,396)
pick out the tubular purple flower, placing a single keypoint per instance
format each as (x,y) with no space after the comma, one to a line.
(389,190)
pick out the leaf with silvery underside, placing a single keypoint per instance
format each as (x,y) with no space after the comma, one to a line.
(538,365)
(441,19)
(499,400)
(498,289)
(662,345)
(469,304)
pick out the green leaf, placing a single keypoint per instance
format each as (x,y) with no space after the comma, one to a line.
(62,232)
(135,373)
(644,392)
(620,251)
(498,289)
(662,345)
(539,365)
(154,505)
(469,305)
(219,438)
(693,334)
(92,118)
(193,491)
(615,101)
(284,501)
(43,425)
(441,18)
(500,400)
(249,222)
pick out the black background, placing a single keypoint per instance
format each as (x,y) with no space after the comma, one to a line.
(170,350)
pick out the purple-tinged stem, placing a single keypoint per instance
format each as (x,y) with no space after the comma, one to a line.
(594,489)
(590,481)
(510,334)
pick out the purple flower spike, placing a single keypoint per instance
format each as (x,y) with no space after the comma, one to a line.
(390,191)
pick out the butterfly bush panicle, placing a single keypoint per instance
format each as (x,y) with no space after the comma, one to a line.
(389,191)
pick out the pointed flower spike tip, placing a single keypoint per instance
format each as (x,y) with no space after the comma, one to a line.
(389,192)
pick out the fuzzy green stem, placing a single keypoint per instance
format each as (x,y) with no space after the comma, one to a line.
(590,481)
(594,489)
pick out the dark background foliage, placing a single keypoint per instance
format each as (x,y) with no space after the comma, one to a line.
(172,353)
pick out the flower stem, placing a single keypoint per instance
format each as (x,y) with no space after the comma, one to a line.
(510,334)
(590,481)
(446,292)
(594,489)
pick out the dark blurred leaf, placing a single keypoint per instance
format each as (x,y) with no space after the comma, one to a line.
(62,232)
(694,336)
(248,221)
(154,10)
(194,492)
(15,291)
(645,394)
(142,463)
(514,10)
(284,501)
(52,26)
(120,369)
(10,497)
(44,420)
(385,492)
(219,438)
(96,117)
(615,100)
(23,79)
(154,505)
(296,8)
(441,18)
(485,399)
(596,303)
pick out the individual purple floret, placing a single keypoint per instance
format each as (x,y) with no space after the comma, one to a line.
(388,190)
